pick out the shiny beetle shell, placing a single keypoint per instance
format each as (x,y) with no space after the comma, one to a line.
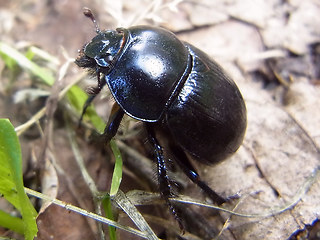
(155,77)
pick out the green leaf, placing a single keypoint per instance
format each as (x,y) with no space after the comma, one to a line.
(10,222)
(11,181)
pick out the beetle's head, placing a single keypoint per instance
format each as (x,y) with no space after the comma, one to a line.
(101,52)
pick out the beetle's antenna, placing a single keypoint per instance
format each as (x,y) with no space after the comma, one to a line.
(88,13)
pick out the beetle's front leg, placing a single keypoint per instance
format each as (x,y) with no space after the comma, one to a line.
(163,178)
(93,93)
(113,124)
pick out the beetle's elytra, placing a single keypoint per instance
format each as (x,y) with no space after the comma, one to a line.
(175,89)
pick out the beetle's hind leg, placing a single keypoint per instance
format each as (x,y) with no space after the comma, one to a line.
(181,158)
(163,178)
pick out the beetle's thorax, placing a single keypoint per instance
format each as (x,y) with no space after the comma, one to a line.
(151,65)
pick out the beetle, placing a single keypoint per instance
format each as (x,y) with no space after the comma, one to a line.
(175,89)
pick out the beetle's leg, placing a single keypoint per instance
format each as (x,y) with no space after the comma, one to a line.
(184,163)
(93,93)
(114,121)
(85,106)
(163,178)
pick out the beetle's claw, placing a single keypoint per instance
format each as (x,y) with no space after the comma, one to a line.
(233,197)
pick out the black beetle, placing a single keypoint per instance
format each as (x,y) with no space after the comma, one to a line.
(175,89)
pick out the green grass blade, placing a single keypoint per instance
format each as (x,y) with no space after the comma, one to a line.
(117,172)
(26,63)
(106,203)
(77,97)
(11,181)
